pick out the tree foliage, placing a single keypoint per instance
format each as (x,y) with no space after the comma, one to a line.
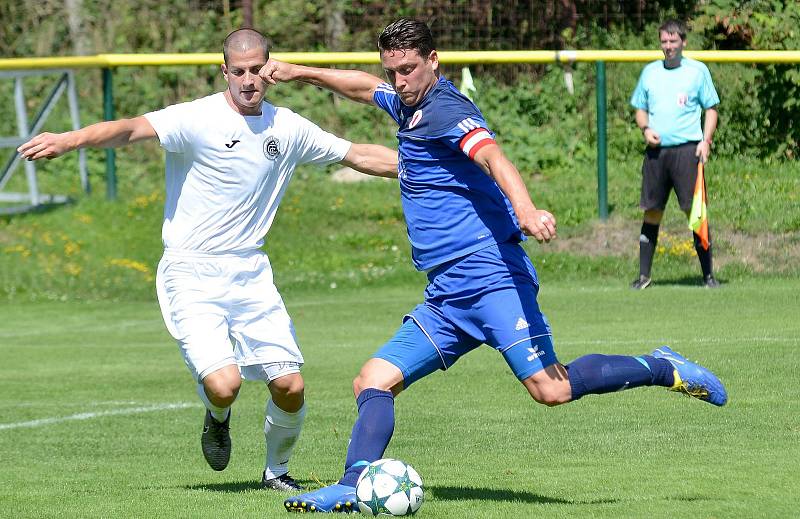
(758,102)
(774,92)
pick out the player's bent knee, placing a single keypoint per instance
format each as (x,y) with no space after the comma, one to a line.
(290,386)
(548,390)
(221,392)
(549,399)
(378,374)
(288,392)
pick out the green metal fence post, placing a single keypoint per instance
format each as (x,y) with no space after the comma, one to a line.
(108,115)
(602,156)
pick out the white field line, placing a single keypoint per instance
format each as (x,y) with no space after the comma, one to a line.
(88,416)
(645,341)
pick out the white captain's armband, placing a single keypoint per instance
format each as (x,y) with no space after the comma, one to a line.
(474,140)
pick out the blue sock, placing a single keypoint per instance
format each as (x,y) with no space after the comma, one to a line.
(371,432)
(597,374)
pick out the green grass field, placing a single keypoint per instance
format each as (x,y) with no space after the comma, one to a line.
(98,415)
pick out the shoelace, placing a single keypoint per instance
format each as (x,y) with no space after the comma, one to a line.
(693,390)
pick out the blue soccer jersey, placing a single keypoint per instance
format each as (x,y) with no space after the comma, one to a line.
(452,208)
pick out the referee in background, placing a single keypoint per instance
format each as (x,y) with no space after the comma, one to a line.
(669,98)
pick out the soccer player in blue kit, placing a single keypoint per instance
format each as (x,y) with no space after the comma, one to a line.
(467,210)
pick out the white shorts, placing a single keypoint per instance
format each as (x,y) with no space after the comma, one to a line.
(224,309)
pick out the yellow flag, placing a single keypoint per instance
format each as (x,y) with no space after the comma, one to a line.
(698,217)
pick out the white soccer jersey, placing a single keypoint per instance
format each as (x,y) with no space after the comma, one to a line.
(226,173)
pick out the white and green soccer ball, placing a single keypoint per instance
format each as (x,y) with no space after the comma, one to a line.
(389,487)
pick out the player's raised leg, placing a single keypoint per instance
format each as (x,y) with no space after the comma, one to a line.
(218,391)
(285,413)
(599,374)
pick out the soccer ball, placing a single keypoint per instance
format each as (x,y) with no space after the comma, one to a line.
(389,487)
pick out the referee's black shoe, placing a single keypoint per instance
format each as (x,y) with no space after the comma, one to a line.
(710,282)
(641,283)
(216,441)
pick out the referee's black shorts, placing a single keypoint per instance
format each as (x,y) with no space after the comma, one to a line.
(666,168)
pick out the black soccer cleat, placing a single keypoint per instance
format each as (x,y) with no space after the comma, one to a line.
(710,282)
(282,483)
(641,283)
(216,441)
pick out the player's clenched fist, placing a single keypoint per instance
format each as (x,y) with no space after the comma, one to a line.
(275,71)
(538,223)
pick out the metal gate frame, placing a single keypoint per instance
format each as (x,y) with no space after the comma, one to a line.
(35,199)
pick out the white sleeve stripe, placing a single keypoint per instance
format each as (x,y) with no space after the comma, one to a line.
(468,124)
(475,139)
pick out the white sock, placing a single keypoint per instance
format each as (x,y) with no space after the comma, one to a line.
(220,414)
(281,430)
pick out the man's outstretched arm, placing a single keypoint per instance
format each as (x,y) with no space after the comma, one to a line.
(372,159)
(353,84)
(108,134)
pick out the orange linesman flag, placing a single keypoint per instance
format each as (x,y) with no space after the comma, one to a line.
(698,217)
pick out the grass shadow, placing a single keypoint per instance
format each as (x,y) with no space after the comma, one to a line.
(8,212)
(684,281)
(447,493)
(230,487)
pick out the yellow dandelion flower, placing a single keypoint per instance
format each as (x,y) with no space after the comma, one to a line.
(71,248)
(131,264)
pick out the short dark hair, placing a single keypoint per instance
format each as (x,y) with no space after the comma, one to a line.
(407,34)
(673,26)
(245,37)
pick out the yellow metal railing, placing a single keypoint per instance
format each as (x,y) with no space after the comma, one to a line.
(356,58)
(107,62)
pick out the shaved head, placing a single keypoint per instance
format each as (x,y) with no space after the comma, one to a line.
(243,40)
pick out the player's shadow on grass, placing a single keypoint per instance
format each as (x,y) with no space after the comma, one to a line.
(230,487)
(684,281)
(492,494)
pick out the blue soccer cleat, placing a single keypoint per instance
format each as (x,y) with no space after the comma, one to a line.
(333,498)
(693,379)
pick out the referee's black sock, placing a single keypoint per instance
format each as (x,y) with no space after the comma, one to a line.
(703,255)
(647,247)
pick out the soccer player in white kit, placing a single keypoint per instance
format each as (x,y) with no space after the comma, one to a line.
(229,157)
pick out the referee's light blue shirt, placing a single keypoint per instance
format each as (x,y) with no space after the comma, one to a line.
(674,99)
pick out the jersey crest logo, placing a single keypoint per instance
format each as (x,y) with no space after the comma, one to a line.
(272,148)
(415,119)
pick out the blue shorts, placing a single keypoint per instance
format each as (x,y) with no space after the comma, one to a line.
(486,297)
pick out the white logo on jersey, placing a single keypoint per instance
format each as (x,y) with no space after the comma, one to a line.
(415,119)
(271,148)
(521,324)
(535,353)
